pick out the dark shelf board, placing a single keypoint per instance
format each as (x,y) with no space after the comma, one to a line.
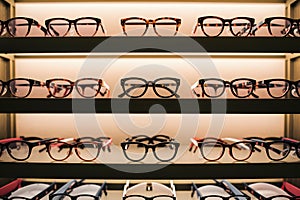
(171,171)
(149,44)
(140,106)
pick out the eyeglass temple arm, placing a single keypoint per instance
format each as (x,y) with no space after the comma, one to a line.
(243,146)
(44,192)
(126,186)
(262,144)
(196,27)
(232,189)
(253,192)
(107,89)
(40,27)
(102,189)
(195,189)
(173,188)
(8,188)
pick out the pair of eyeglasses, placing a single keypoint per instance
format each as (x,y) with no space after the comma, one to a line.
(213,26)
(19,26)
(280,26)
(135,87)
(163,26)
(215,87)
(266,191)
(87,149)
(276,149)
(31,192)
(84,26)
(278,88)
(136,148)
(213,149)
(220,191)
(9,187)
(86,87)
(20,148)
(158,191)
(77,190)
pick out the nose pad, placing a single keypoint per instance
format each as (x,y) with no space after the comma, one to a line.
(4,91)
(294,92)
(72,31)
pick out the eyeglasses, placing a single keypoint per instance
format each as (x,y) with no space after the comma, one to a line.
(20,148)
(290,188)
(86,87)
(280,26)
(84,26)
(217,192)
(277,88)
(276,149)
(31,192)
(135,87)
(19,87)
(162,26)
(213,150)
(86,150)
(214,87)
(137,192)
(213,26)
(91,191)
(164,150)
(8,188)
(264,191)
(19,26)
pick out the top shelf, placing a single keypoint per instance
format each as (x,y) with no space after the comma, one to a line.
(175,44)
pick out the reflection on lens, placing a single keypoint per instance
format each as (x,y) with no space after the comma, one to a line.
(279,150)
(280,27)
(59,150)
(135,87)
(19,150)
(242,88)
(19,87)
(278,88)
(58,27)
(135,152)
(135,27)
(87,87)
(60,88)
(213,88)
(1,87)
(86,27)
(212,150)
(88,151)
(241,150)
(165,151)
(165,87)
(165,27)
(212,27)
(240,27)
(18,27)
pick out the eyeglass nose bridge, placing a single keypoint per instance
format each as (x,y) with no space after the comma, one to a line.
(150,84)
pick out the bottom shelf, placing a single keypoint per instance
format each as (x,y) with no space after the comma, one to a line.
(145,171)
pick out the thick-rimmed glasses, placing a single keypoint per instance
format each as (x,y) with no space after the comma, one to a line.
(19,26)
(215,87)
(84,26)
(163,149)
(213,150)
(213,26)
(20,148)
(76,190)
(138,192)
(86,150)
(271,192)
(278,88)
(19,87)
(31,192)
(218,192)
(135,87)
(280,26)
(163,26)
(86,87)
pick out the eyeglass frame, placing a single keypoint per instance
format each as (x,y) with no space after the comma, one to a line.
(150,84)
(74,22)
(150,21)
(11,186)
(201,19)
(4,25)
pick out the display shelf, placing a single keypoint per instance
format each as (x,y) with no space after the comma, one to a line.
(166,171)
(175,106)
(150,44)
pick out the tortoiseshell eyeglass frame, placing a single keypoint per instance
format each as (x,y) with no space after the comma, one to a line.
(154,22)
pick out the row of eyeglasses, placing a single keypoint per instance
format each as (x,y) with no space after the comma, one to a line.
(165,87)
(164,148)
(81,190)
(211,26)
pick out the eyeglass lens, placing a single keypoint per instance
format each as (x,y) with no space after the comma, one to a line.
(278,150)
(278,88)
(279,27)
(19,150)
(87,87)
(19,87)
(60,88)
(18,27)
